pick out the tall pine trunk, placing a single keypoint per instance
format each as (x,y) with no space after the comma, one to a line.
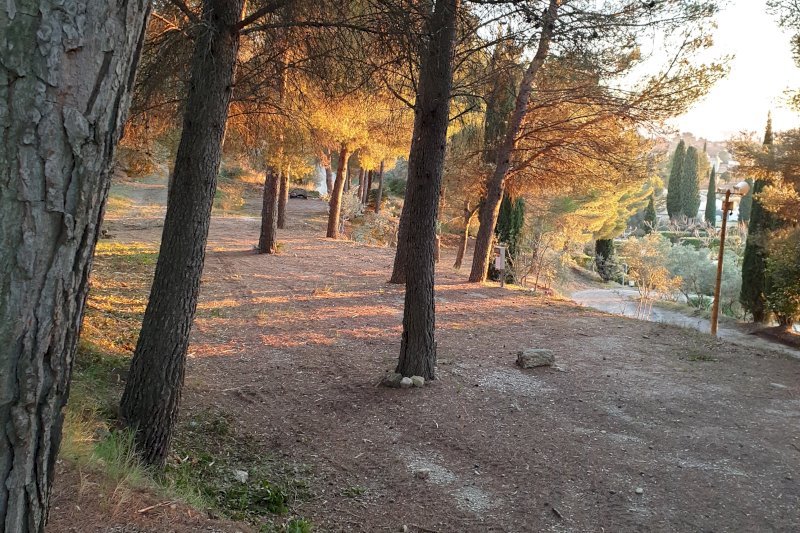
(64,96)
(361,184)
(369,187)
(155,381)
(496,185)
(268,239)
(379,195)
(283,199)
(425,166)
(469,214)
(335,205)
(326,164)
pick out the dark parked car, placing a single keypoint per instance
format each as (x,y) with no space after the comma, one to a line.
(298,193)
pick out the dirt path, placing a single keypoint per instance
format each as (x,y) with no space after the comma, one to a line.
(642,426)
(621,301)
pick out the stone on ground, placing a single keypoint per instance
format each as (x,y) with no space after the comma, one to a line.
(418,381)
(392,379)
(533,357)
(406,383)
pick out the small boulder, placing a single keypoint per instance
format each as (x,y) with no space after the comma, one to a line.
(533,357)
(406,383)
(392,380)
(422,473)
(418,381)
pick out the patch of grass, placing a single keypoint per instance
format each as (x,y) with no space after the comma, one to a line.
(211,452)
(696,356)
(126,254)
(354,492)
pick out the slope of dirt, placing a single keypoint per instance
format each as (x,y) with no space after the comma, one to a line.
(641,426)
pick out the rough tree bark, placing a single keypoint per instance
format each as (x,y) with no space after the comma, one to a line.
(496,186)
(155,381)
(469,214)
(425,167)
(283,198)
(369,187)
(335,204)
(268,239)
(379,195)
(65,82)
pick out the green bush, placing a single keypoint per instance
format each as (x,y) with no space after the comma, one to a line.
(395,186)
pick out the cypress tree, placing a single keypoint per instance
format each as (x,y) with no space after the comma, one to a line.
(650,215)
(754,277)
(690,184)
(711,198)
(746,204)
(674,184)
(604,258)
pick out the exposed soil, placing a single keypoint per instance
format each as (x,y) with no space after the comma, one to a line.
(641,426)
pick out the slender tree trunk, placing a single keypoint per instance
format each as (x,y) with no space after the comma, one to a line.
(335,205)
(369,186)
(469,214)
(425,167)
(379,195)
(283,198)
(347,182)
(155,381)
(328,175)
(361,181)
(65,82)
(496,186)
(268,241)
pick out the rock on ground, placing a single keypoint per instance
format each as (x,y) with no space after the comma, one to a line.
(533,357)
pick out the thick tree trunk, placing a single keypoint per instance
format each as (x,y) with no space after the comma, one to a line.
(496,186)
(379,195)
(462,245)
(283,198)
(65,82)
(268,239)
(335,205)
(155,381)
(425,166)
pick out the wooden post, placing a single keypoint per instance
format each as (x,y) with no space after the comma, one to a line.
(726,206)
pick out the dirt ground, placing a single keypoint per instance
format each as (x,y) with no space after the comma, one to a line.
(640,427)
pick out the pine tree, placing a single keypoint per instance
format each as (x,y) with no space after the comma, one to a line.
(674,185)
(690,184)
(754,278)
(711,198)
(650,215)
(746,204)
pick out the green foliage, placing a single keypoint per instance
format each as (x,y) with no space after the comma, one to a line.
(690,184)
(711,199)
(605,259)
(674,187)
(395,186)
(209,450)
(650,215)
(509,223)
(754,278)
(697,269)
(783,271)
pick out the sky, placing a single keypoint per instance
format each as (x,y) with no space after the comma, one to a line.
(763,68)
